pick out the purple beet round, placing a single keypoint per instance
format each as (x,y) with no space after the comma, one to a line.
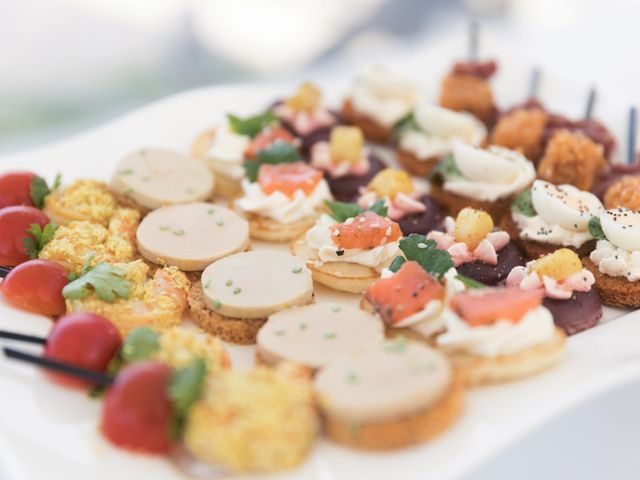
(580,312)
(422,222)
(346,188)
(508,257)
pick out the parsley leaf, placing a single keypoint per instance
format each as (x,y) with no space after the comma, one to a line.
(470,282)
(38,189)
(595,229)
(278,152)
(417,248)
(140,344)
(185,387)
(342,211)
(39,238)
(445,168)
(251,126)
(404,125)
(106,280)
(397,263)
(523,204)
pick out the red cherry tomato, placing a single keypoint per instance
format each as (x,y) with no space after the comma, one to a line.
(84,340)
(36,285)
(137,411)
(15,189)
(14,223)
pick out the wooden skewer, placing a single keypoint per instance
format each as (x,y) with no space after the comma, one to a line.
(22,337)
(474,33)
(631,136)
(47,363)
(591,100)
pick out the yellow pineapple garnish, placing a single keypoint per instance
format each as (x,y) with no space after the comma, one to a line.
(389,182)
(472,226)
(346,144)
(558,265)
(306,99)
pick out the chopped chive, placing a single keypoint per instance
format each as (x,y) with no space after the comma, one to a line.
(128,171)
(146,178)
(211,211)
(207,283)
(219,222)
(228,283)
(297,270)
(303,326)
(178,231)
(336,308)
(352,378)
(190,191)
(128,191)
(237,290)
(216,304)
(164,228)
(330,335)
(279,332)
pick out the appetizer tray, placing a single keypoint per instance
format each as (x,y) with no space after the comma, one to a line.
(51,432)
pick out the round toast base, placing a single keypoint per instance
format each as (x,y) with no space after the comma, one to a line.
(373,131)
(414,165)
(452,203)
(269,230)
(614,291)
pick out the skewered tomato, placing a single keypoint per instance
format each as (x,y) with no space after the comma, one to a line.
(15,189)
(84,340)
(36,285)
(137,411)
(14,223)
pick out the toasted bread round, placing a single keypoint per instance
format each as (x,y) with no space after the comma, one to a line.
(534,249)
(269,230)
(343,276)
(476,370)
(373,131)
(614,291)
(452,203)
(402,432)
(415,165)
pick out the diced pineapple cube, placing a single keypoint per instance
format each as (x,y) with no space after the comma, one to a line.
(558,265)
(306,99)
(346,144)
(472,226)
(389,182)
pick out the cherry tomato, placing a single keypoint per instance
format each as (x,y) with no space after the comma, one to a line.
(15,189)
(137,411)
(14,223)
(36,285)
(84,340)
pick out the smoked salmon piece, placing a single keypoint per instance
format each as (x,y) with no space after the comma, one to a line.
(288,177)
(408,291)
(367,230)
(265,138)
(486,307)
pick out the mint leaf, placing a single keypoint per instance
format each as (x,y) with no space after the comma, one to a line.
(523,204)
(445,168)
(417,248)
(278,152)
(106,280)
(379,207)
(595,229)
(397,263)
(342,211)
(251,126)
(140,344)
(184,389)
(470,282)
(404,125)
(39,238)
(38,189)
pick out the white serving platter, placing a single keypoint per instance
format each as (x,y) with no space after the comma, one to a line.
(50,432)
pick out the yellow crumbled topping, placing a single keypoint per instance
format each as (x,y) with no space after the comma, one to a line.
(157,303)
(88,200)
(180,346)
(257,420)
(72,244)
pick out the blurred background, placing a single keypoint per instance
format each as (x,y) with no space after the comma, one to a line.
(67,65)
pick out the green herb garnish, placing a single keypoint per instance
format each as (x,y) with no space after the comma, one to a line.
(342,211)
(237,290)
(405,125)
(106,280)
(207,284)
(595,229)
(140,344)
(523,204)
(417,248)
(397,344)
(184,389)
(297,270)
(445,168)
(276,153)
(38,189)
(251,126)
(39,238)
(178,232)
(470,282)
(228,283)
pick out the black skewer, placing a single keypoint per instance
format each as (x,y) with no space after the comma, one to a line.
(534,82)
(81,373)
(474,32)
(22,337)
(4,271)
(591,100)
(631,136)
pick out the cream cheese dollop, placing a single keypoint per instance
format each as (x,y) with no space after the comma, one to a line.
(383,95)
(280,207)
(227,153)
(488,175)
(319,239)
(501,338)
(440,129)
